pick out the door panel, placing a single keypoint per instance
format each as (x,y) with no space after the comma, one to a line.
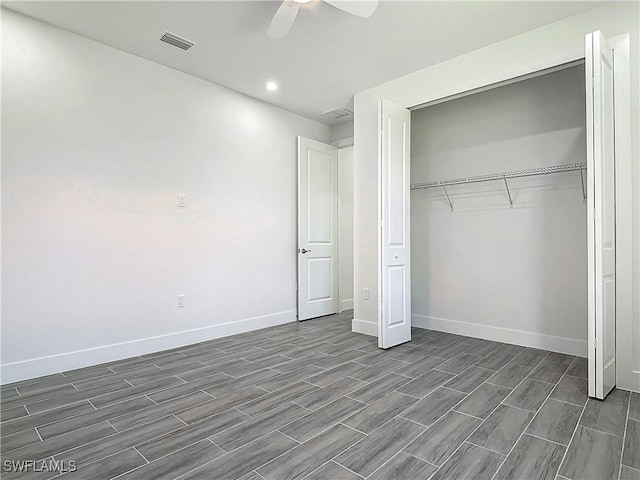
(601,215)
(317,229)
(394,322)
(319,268)
(320,206)
(396,313)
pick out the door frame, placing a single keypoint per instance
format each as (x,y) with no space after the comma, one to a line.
(624,196)
(340,144)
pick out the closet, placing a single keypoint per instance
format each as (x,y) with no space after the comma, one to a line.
(498,213)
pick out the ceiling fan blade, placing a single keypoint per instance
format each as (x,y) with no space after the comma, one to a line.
(283,19)
(361,8)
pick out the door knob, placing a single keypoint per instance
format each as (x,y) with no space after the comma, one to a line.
(304,250)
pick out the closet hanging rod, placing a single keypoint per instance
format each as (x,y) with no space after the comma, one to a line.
(501,176)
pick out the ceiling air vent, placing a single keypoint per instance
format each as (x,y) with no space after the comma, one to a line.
(337,113)
(176,41)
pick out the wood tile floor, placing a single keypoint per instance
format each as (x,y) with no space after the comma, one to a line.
(313,400)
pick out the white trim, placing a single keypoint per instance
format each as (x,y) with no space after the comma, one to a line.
(37,367)
(566,345)
(379,317)
(362,326)
(346,304)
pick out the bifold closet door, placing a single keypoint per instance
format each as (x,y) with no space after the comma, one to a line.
(601,215)
(394,286)
(317,229)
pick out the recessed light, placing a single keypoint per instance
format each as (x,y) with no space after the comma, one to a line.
(302,1)
(272,86)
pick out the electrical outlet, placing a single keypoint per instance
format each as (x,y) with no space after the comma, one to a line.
(182,200)
(365,293)
(180,301)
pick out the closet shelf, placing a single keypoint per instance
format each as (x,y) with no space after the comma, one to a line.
(505,177)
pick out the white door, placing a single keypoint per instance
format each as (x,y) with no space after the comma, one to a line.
(317,229)
(601,216)
(394,311)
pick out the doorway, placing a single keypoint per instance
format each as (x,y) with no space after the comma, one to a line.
(391,317)
(325,228)
(499,213)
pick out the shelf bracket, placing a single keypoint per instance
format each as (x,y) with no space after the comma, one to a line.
(584,188)
(448,198)
(506,184)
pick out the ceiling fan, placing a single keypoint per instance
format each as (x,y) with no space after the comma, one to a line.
(286,14)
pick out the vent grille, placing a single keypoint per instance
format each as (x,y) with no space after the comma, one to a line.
(176,41)
(339,112)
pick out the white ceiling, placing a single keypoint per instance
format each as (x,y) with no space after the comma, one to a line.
(328,55)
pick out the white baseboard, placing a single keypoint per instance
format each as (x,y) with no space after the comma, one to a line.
(37,367)
(628,380)
(361,326)
(346,305)
(570,346)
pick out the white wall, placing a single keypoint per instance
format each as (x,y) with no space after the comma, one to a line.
(345,226)
(96,146)
(365,213)
(550,45)
(341,131)
(521,271)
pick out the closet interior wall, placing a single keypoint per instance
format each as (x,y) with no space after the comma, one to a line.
(512,274)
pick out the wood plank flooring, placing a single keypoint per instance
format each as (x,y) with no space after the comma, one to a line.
(314,401)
